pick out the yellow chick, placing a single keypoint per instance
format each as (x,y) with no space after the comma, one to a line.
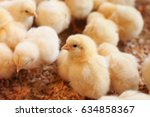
(97,3)
(126,19)
(22,10)
(55,14)
(123,2)
(87,71)
(11,32)
(7,66)
(45,42)
(123,68)
(128,95)
(146,72)
(80,8)
(101,30)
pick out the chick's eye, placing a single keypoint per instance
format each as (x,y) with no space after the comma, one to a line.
(26,11)
(74,45)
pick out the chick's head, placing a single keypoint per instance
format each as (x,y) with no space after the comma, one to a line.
(80,46)
(28,8)
(25,55)
(105,49)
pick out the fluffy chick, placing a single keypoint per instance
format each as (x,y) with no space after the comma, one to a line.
(47,42)
(11,32)
(101,30)
(80,8)
(146,72)
(22,10)
(123,68)
(126,19)
(86,70)
(97,3)
(128,95)
(55,14)
(26,55)
(7,66)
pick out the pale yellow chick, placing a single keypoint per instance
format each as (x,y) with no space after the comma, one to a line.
(101,30)
(55,14)
(7,66)
(85,69)
(128,95)
(80,8)
(22,11)
(97,3)
(11,32)
(44,43)
(123,68)
(126,19)
(146,72)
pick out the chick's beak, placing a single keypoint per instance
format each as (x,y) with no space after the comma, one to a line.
(34,14)
(18,69)
(66,47)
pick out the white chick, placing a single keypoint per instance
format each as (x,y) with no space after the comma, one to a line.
(7,66)
(87,71)
(26,55)
(123,68)
(55,14)
(128,95)
(146,72)
(80,8)
(22,10)
(101,30)
(46,40)
(11,32)
(126,19)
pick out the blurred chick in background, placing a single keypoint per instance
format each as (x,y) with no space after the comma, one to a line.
(11,32)
(80,8)
(146,72)
(85,69)
(21,10)
(101,30)
(128,95)
(45,45)
(55,14)
(128,19)
(7,66)
(97,3)
(123,68)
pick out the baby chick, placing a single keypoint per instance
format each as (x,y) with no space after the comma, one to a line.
(126,19)
(26,55)
(45,40)
(11,32)
(146,72)
(123,68)
(128,95)
(97,3)
(7,66)
(80,8)
(101,30)
(85,69)
(55,14)
(22,10)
